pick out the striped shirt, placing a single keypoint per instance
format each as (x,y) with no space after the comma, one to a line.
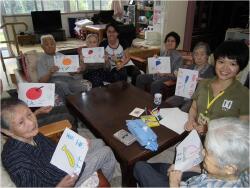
(29,166)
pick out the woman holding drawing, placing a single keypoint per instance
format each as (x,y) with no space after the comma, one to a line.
(26,154)
(156,81)
(121,65)
(95,72)
(201,53)
(222,96)
(225,163)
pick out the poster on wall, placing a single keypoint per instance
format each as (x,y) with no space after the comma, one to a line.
(157,16)
(159,65)
(70,152)
(186,82)
(67,63)
(37,94)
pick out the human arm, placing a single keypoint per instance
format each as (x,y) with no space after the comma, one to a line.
(192,115)
(45,78)
(67,181)
(43,110)
(175,178)
(125,59)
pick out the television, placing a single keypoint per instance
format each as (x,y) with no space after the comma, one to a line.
(45,21)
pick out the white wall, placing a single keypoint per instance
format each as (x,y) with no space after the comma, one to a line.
(27,19)
(175,19)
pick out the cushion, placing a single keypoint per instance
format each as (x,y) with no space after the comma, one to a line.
(29,63)
(5,178)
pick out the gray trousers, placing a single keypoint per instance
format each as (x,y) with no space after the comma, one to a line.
(183,103)
(156,83)
(67,85)
(98,157)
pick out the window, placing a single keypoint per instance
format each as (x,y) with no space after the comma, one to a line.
(26,6)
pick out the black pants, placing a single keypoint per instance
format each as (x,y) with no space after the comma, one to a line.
(118,75)
(155,174)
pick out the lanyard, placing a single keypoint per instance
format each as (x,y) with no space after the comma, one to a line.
(210,103)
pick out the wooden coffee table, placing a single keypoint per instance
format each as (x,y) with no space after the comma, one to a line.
(105,110)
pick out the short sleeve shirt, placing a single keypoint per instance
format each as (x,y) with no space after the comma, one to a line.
(118,52)
(44,63)
(233,103)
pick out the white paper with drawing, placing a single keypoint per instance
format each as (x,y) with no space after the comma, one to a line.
(186,82)
(70,152)
(159,64)
(93,55)
(67,63)
(189,152)
(37,94)
(174,119)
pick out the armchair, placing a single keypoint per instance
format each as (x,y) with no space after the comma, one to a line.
(54,132)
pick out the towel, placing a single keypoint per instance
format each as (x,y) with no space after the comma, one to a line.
(144,134)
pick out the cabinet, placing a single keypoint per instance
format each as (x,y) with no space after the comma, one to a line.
(144,14)
(140,14)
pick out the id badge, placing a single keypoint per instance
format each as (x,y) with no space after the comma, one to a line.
(202,119)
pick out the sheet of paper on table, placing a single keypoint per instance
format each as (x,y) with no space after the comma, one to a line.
(174,119)
(189,152)
(70,152)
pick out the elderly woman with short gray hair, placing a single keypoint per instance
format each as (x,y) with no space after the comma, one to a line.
(200,55)
(226,160)
(26,154)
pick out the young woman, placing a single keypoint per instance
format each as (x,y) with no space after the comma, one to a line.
(121,65)
(156,81)
(222,96)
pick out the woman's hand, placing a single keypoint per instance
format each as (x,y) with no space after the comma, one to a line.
(68,181)
(119,65)
(175,178)
(201,129)
(190,125)
(53,69)
(43,110)
(81,68)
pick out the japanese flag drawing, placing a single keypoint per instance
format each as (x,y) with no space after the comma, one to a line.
(37,94)
(93,55)
(67,63)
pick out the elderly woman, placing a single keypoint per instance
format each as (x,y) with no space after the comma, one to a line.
(222,96)
(156,81)
(121,65)
(225,163)
(201,53)
(26,154)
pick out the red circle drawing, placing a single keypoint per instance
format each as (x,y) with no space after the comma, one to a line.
(90,52)
(34,93)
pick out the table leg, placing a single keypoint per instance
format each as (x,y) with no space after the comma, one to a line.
(127,175)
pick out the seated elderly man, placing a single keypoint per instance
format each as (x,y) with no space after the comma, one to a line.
(66,84)
(226,160)
(26,154)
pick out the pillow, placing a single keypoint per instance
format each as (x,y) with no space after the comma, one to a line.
(31,58)
(5,178)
